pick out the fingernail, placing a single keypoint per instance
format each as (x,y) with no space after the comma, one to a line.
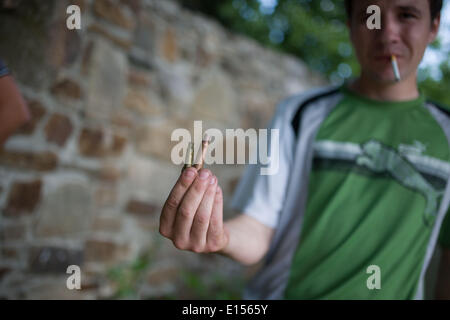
(204,174)
(189,173)
(212,180)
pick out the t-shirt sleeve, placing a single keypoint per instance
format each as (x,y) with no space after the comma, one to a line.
(260,195)
(3,69)
(444,235)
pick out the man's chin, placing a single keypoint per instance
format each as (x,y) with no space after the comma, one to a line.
(383,79)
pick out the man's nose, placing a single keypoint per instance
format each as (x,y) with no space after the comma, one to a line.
(390,29)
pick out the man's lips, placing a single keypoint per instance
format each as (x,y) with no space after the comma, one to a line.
(386,58)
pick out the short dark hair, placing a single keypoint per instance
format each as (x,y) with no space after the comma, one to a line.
(435,8)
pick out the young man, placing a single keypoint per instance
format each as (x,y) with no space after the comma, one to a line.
(358,204)
(13,110)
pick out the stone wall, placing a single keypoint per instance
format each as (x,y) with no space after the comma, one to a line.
(84,181)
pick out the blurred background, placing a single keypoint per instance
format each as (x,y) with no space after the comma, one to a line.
(84,181)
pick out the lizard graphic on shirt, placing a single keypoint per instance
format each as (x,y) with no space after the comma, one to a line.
(380,158)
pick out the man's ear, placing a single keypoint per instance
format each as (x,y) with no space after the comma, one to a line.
(434,28)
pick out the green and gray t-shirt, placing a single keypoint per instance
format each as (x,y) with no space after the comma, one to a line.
(361,184)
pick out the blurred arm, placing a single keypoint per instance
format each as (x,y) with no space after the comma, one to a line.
(249,239)
(13,110)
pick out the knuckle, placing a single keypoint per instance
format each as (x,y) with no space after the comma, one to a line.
(172,203)
(185,212)
(198,248)
(218,197)
(214,221)
(213,246)
(199,187)
(179,244)
(185,182)
(164,231)
(215,235)
(211,191)
(202,219)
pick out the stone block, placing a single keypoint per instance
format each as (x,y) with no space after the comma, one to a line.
(23,198)
(103,251)
(10,233)
(67,88)
(58,129)
(106,71)
(114,13)
(53,259)
(39,161)
(94,143)
(120,41)
(66,209)
(141,208)
(143,103)
(37,111)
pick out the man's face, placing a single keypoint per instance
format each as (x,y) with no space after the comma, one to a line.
(406,30)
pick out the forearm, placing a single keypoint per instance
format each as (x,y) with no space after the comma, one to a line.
(13,110)
(249,240)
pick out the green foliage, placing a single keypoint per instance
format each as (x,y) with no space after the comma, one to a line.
(437,90)
(128,276)
(212,286)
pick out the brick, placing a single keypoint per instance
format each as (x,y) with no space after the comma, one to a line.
(139,101)
(4,272)
(53,259)
(67,88)
(118,145)
(23,198)
(113,13)
(106,80)
(58,129)
(80,3)
(107,224)
(122,118)
(37,111)
(155,141)
(109,173)
(124,43)
(134,5)
(12,233)
(86,59)
(169,45)
(105,196)
(10,253)
(140,207)
(66,209)
(138,78)
(103,251)
(91,143)
(42,161)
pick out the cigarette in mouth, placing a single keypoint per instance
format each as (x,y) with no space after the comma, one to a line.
(189,156)
(395,68)
(205,143)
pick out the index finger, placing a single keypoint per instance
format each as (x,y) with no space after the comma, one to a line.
(174,199)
